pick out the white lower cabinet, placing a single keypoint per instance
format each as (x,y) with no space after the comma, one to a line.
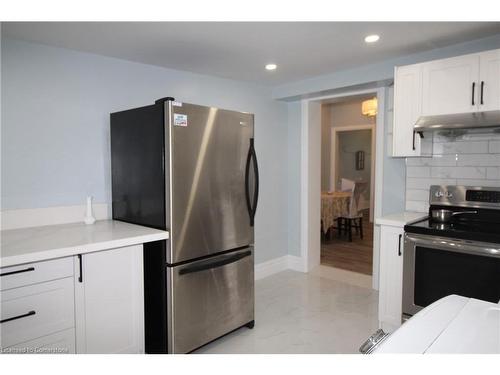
(391,277)
(93,303)
(109,301)
(62,342)
(34,311)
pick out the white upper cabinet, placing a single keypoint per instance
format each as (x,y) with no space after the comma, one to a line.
(463,84)
(407,109)
(450,85)
(489,81)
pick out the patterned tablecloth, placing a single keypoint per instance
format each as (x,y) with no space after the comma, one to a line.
(333,205)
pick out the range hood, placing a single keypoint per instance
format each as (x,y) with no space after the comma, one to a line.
(462,121)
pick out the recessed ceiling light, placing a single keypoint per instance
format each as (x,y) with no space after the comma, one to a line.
(271,66)
(372,38)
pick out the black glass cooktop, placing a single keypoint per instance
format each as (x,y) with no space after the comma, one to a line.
(484,231)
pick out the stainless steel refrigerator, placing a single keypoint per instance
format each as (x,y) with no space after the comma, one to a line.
(191,170)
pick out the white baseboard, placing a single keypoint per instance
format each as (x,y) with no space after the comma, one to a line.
(33,217)
(296,263)
(271,267)
(285,262)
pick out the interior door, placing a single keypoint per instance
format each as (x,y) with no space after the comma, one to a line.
(451,85)
(210,151)
(489,85)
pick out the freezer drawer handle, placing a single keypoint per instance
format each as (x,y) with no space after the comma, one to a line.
(214,264)
(32,312)
(19,271)
(252,206)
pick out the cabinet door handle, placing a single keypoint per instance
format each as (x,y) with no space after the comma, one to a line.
(19,271)
(482,90)
(399,245)
(32,312)
(80,276)
(420,134)
(473,90)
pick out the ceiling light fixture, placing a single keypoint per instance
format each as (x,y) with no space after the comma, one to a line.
(271,66)
(372,38)
(369,107)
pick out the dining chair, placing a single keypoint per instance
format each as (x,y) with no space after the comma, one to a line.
(346,184)
(353,218)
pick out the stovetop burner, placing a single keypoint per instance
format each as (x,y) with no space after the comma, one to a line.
(462,229)
(483,226)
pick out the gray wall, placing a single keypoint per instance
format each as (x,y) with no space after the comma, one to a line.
(55,128)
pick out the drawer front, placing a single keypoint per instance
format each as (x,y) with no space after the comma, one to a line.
(209,298)
(37,310)
(33,273)
(58,343)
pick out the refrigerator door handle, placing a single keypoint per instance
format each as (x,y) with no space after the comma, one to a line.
(256,188)
(203,266)
(252,206)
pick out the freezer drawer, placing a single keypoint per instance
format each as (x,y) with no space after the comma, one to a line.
(209,298)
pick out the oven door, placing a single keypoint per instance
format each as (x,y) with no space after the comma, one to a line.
(435,267)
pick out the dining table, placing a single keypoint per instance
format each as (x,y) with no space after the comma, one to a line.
(333,205)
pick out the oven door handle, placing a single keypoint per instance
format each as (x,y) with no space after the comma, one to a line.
(459,246)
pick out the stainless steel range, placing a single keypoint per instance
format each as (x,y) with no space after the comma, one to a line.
(456,250)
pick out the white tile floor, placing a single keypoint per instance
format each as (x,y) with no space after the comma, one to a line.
(305,313)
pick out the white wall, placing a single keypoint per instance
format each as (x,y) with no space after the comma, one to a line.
(55,128)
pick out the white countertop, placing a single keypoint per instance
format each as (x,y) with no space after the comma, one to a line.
(34,244)
(453,324)
(401,219)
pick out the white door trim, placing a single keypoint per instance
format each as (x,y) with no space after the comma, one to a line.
(333,157)
(309,254)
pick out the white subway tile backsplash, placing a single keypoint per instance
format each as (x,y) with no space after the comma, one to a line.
(486,183)
(458,172)
(436,160)
(494,147)
(414,171)
(417,195)
(471,159)
(493,173)
(441,138)
(470,147)
(478,160)
(417,206)
(425,183)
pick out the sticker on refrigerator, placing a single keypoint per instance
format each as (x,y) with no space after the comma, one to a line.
(180,119)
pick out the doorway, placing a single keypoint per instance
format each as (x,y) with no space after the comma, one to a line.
(348,243)
(313,180)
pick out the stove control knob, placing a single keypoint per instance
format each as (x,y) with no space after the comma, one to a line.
(448,195)
(438,194)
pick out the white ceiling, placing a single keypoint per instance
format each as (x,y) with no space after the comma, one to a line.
(240,50)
